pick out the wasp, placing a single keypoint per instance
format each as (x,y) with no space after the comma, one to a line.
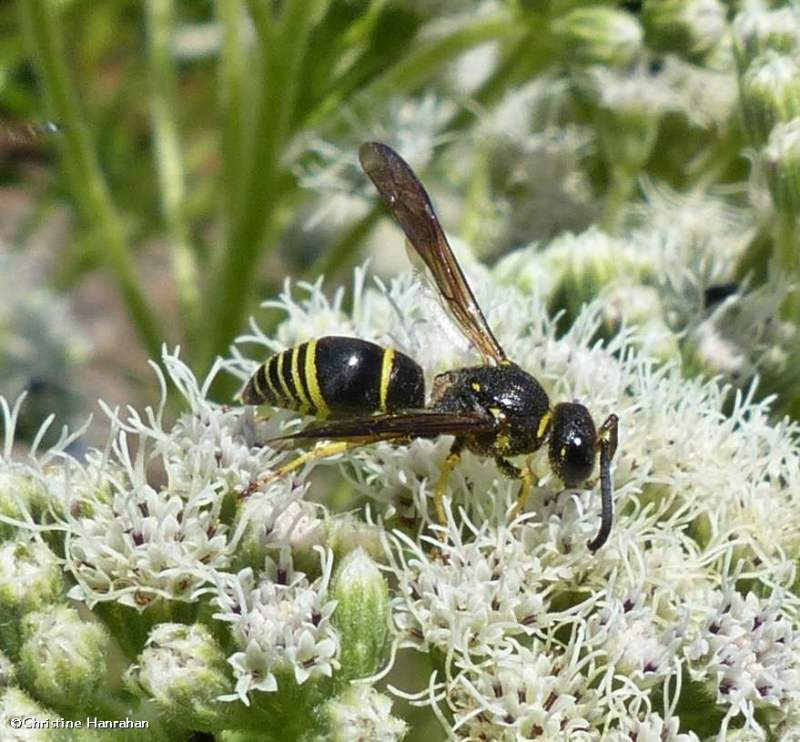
(362,392)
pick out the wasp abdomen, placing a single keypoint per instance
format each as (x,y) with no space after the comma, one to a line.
(338,375)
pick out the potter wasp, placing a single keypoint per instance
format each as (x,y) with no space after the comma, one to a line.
(362,393)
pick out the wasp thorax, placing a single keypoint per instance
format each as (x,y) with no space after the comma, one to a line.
(572,443)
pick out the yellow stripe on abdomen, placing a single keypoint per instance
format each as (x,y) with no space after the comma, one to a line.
(284,376)
(314,391)
(305,403)
(387,364)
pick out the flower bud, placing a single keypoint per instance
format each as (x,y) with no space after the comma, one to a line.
(598,35)
(362,713)
(691,28)
(30,579)
(638,305)
(710,352)
(770,90)
(16,706)
(19,494)
(361,614)
(297,524)
(7,672)
(756,31)
(347,532)
(628,105)
(781,159)
(183,671)
(591,262)
(62,657)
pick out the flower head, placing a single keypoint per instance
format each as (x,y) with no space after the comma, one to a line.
(281,623)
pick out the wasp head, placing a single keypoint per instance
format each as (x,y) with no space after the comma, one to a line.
(573,441)
(574,444)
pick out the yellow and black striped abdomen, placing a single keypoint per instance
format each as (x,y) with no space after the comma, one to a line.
(338,376)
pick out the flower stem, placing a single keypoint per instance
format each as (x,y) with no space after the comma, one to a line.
(342,251)
(282,41)
(622,185)
(169,163)
(418,65)
(232,76)
(89,188)
(787,254)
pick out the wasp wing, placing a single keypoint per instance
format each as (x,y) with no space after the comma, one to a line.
(411,206)
(406,425)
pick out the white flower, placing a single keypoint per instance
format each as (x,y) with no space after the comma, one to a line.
(525,693)
(746,648)
(636,640)
(361,714)
(481,593)
(412,125)
(280,621)
(531,633)
(640,90)
(651,728)
(532,155)
(131,540)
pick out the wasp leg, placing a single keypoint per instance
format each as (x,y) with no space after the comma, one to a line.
(607,446)
(508,469)
(529,481)
(320,452)
(441,486)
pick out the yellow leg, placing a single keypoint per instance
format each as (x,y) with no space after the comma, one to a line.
(320,452)
(441,486)
(529,481)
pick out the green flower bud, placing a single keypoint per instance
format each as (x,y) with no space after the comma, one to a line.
(573,269)
(361,615)
(770,90)
(20,493)
(588,263)
(183,671)
(756,31)
(7,672)
(347,532)
(628,106)
(598,35)
(361,713)
(62,657)
(297,525)
(17,708)
(708,351)
(30,579)
(781,159)
(633,304)
(691,28)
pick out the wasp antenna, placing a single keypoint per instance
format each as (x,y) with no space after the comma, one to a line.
(608,446)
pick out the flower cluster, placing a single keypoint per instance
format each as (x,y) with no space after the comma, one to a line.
(281,623)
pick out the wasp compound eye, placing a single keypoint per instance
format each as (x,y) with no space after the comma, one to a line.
(572,443)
